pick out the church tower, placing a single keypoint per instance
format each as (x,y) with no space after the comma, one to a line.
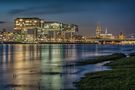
(98,31)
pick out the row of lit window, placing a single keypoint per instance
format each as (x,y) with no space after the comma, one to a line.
(27,21)
(26,24)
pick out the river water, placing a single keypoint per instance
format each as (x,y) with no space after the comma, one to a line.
(40,66)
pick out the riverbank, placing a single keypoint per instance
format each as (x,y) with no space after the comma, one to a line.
(48,42)
(2,42)
(100,59)
(121,77)
(96,60)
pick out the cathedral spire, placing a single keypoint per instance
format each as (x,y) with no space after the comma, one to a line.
(106,31)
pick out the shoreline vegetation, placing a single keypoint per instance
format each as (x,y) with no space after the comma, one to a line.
(96,60)
(121,77)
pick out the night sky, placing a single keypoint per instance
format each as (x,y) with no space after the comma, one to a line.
(117,15)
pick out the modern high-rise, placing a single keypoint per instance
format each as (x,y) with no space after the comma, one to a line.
(27,27)
(35,29)
(27,23)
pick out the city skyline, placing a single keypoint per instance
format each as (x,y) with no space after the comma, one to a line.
(116,15)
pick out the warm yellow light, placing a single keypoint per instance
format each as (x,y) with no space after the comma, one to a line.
(35,21)
(21,19)
(16,21)
(27,21)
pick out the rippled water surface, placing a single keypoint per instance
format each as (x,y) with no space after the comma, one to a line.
(40,66)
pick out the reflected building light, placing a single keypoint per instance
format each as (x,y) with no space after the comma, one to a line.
(4,54)
(19,53)
(71,53)
(96,51)
(9,53)
(45,53)
(28,52)
(55,53)
(35,51)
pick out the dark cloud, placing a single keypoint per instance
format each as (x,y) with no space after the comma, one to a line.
(2,22)
(41,7)
(53,8)
(19,11)
(62,0)
(16,11)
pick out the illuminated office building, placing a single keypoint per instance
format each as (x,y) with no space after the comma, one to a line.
(27,23)
(35,29)
(53,30)
(6,36)
(69,30)
(28,28)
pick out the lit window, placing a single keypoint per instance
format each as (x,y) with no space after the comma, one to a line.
(21,19)
(35,21)
(27,21)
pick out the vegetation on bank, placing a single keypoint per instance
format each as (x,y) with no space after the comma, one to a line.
(102,59)
(121,77)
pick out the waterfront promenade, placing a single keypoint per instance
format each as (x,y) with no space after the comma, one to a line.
(86,41)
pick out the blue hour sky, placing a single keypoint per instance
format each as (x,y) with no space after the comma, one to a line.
(116,15)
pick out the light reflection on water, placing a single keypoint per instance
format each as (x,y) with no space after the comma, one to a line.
(39,66)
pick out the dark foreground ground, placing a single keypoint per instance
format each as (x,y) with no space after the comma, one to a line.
(121,77)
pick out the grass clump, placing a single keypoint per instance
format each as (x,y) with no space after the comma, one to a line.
(121,77)
(102,59)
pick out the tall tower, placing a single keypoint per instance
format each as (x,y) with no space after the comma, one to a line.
(106,31)
(98,31)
